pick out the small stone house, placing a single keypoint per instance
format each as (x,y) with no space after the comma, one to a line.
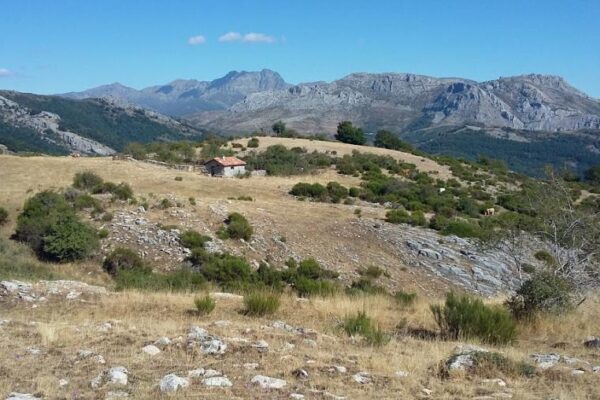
(225,166)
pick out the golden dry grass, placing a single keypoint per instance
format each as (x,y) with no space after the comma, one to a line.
(423,164)
(60,330)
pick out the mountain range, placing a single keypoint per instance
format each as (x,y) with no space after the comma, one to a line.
(244,101)
(528,121)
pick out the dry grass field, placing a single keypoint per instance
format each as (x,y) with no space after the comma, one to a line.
(423,164)
(406,367)
(60,330)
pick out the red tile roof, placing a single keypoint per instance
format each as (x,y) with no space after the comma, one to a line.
(228,161)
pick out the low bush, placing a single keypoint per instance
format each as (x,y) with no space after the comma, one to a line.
(245,198)
(107,217)
(120,259)
(183,280)
(50,226)
(312,190)
(462,229)
(405,298)
(464,317)
(87,180)
(205,305)
(179,178)
(84,201)
(399,216)
(165,203)
(260,303)
(3,216)
(103,233)
(238,227)
(544,292)
(361,324)
(364,286)
(252,143)
(371,272)
(192,239)
(307,287)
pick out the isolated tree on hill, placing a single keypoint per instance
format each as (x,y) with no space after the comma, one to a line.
(348,133)
(278,128)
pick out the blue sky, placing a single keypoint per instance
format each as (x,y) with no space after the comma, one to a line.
(68,45)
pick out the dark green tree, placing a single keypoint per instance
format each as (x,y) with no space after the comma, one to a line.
(348,133)
(278,128)
(388,140)
(592,175)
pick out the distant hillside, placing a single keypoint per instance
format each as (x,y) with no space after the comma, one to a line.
(183,96)
(55,125)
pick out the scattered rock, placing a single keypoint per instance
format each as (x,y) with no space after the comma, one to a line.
(401,374)
(266,382)
(63,383)
(340,369)
(196,373)
(151,350)
(116,394)
(261,344)
(209,373)
(463,357)
(162,342)
(208,344)
(114,376)
(577,371)
(22,396)
(34,351)
(296,396)
(172,383)
(250,365)
(222,323)
(105,327)
(300,373)
(362,378)
(496,381)
(217,381)
(596,369)
(545,361)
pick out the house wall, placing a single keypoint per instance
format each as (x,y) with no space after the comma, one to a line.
(216,169)
(234,171)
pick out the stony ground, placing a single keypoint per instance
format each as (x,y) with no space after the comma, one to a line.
(73,341)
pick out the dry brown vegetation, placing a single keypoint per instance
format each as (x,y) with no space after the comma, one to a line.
(60,330)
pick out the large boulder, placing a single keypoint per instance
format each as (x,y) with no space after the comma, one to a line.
(172,383)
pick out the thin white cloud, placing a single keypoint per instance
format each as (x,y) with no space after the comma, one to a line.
(252,37)
(230,37)
(196,40)
(4,73)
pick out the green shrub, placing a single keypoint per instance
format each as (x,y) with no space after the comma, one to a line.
(103,233)
(546,257)
(87,180)
(372,271)
(260,303)
(165,203)
(336,192)
(364,286)
(238,227)
(310,268)
(205,305)
(69,239)
(183,280)
(405,298)
(464,317)
(398,216)
(192,201)
(462,229)
(192,239)
(347,133)
(307,287)
(107,217)
(361,324)
(487,364)
(3,216)
(312,190)
(84,201)
(544,292)
(354,192)
(120,259)
(51,228)
(223,269)
(252,143)
(245,198)
(178,178)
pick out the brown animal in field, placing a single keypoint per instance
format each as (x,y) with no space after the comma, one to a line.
(489,211)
